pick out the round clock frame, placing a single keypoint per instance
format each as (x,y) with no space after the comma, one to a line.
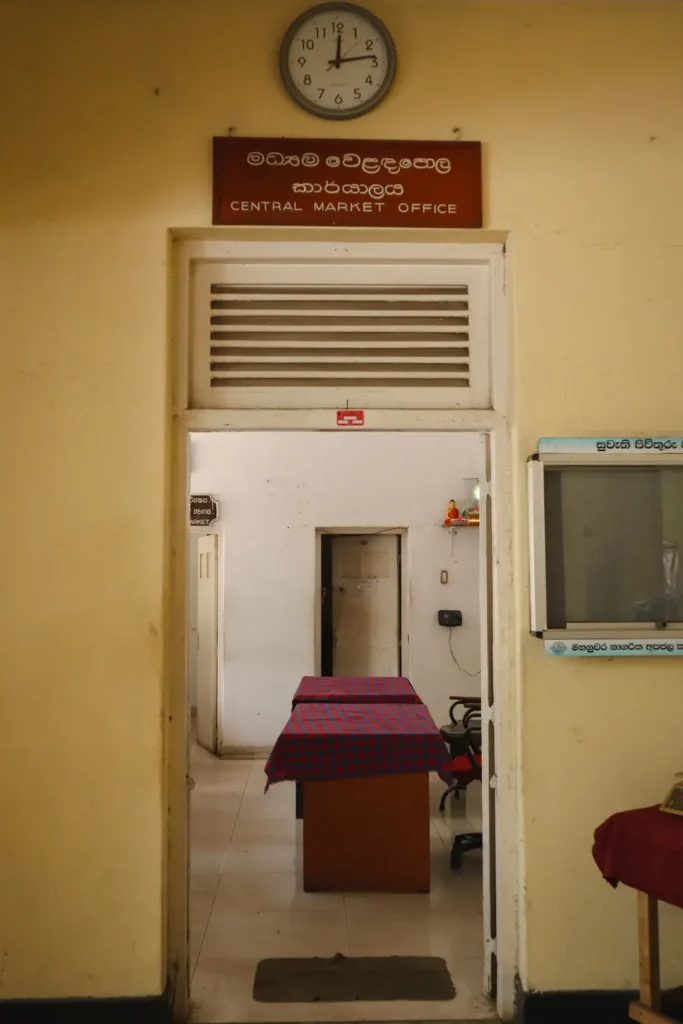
(303,101)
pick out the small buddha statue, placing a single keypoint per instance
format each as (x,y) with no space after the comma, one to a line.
(452,514)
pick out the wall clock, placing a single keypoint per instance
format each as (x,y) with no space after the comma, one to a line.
(337,60)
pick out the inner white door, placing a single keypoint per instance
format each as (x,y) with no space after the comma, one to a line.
(207,642)
(365,605)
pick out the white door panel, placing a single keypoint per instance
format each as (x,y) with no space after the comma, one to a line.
(365,605)
(207,645)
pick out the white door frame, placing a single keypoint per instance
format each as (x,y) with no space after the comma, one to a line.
(493,422)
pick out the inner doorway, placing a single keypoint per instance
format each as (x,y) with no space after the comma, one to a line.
(360,604)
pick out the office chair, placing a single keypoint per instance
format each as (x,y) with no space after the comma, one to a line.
(469,769)
(454,735)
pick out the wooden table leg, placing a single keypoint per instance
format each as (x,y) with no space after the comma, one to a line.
(648,951)
(648,1009)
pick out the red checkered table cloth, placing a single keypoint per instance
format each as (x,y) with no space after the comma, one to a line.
(322,742)
(356,690)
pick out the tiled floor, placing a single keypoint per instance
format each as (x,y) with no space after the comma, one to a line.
(247,904)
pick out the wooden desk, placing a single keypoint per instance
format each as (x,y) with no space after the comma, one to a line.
(351,690)
(365,775)
(367,834)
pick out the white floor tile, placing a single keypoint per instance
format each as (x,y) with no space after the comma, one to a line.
(268,892)
(248,858)
(377,930)
(259,828)
(249,936)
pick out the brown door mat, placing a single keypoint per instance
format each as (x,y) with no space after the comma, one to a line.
(343,979)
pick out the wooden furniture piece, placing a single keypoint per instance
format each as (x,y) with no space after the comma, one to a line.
(648,1008)
(351,690)
(367,835)
(365,772)
(644,850)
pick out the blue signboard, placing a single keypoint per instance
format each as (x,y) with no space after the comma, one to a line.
(601,648)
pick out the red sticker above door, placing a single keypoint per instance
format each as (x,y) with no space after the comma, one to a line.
(350,418)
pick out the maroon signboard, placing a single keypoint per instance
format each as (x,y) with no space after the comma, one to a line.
(356,183)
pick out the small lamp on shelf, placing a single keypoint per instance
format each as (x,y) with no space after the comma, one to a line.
(470,510)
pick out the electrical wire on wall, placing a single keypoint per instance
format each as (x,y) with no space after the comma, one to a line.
(472,675)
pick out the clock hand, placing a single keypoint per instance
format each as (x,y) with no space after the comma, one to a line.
(347,60)
(336,62)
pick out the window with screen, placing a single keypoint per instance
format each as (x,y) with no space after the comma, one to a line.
(613,543)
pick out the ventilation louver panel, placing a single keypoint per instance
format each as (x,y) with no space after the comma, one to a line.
(296,333)
(339,337)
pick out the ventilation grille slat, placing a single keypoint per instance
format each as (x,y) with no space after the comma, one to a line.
(320,337)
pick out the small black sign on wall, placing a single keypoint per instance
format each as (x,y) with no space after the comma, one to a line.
(203,510)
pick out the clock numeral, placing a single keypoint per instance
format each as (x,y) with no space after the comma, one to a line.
(307,80)
(369,44)
(357,94)
(355,33)
(321,93)
(338,99)
(320,33)
(301,61)
(307,44)
(368,80)
(337,27)
(375,63)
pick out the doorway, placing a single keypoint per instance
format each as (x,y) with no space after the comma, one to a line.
(483,410)
(360,604)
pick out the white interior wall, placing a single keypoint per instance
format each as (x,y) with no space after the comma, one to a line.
(274,491)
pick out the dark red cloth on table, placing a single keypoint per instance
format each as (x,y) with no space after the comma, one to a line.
(643,849)
(322,742)
(356,690)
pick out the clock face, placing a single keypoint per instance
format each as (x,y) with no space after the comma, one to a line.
(337,60)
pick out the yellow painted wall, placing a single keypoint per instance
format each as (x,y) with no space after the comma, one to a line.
(107,111)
